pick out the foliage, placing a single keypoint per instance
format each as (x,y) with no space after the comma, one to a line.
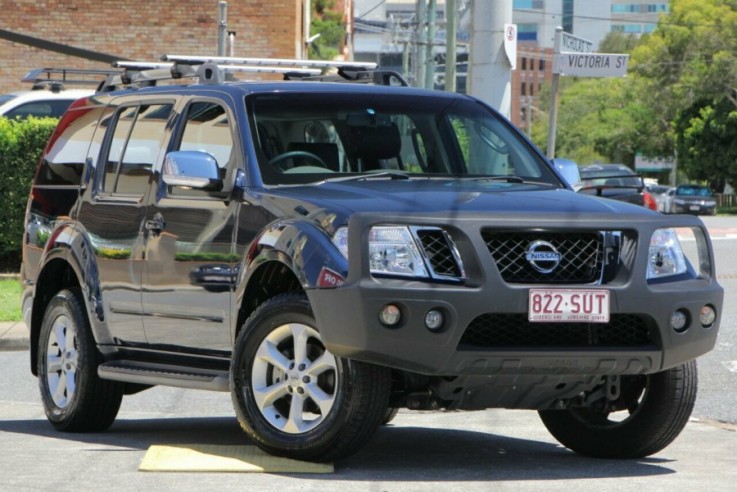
(618,42)
(21,145)
(690,57)
(678,98)
(706,144)
(328,22)
(598,121)
(10,290)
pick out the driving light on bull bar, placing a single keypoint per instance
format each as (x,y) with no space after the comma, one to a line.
(707,316)
(390,315)
(679,321)
(434,319)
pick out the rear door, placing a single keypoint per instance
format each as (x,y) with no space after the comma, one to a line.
(123,154)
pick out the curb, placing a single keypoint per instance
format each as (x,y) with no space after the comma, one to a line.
(13,345)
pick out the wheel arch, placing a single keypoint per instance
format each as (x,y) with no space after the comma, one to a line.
(56,275)
(68,262)
(287,256)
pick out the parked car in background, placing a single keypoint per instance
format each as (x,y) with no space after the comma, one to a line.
(660,195)
(615,181)
(49,96)
(692,199)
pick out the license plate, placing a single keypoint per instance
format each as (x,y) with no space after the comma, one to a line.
(694,207)
(560,305)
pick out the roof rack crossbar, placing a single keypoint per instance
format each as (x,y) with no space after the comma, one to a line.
(67,75)
(278,62)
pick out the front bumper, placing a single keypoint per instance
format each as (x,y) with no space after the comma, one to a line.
(348,318)
(694,208)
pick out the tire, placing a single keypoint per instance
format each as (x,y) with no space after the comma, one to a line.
(389,415)
(308,405)
(656,408)
(75,399)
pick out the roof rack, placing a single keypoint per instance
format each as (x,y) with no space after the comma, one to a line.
(214,69)
(278,62)
(56,78)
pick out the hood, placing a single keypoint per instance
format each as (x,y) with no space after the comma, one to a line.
(440,197)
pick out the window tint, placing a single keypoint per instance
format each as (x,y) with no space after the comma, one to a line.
(63,163)
(207,129)
(134,148)
(40,109)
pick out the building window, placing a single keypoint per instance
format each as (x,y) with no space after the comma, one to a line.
(568,15)
(526,32)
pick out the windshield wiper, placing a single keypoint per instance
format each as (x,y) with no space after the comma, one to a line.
(366,176)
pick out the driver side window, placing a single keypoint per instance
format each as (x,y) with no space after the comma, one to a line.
(207,129)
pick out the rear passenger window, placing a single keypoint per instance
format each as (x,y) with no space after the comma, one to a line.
(136,141)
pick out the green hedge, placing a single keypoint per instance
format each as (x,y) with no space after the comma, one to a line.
(21,145)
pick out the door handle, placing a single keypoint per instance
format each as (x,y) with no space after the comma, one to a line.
(156,224)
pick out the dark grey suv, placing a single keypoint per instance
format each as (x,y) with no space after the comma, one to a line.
(329,252)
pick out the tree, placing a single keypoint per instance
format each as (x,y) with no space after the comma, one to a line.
(706,144)
(328,23)
(686,70)
(618,42)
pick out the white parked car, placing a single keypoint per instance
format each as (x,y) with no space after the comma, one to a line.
(49,95)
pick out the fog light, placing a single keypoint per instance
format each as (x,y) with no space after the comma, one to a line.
(390,315)
(707,316)
(679,321)
(434,319)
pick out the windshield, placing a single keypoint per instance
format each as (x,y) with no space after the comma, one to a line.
(610,177)
(302,138)
(693,191)
(6,97)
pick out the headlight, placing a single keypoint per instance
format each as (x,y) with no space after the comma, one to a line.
(665,257)
(391,249)
(678,201)
(340,240)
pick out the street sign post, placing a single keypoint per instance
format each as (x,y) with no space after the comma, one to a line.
(591,64)
(573,56)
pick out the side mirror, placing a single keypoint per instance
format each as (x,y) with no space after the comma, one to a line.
(193,169)
(568,170)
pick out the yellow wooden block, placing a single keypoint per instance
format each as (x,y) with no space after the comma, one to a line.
(217,458)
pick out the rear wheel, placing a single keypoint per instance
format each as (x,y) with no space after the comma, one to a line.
(74,397)
(292,396)
(649,414)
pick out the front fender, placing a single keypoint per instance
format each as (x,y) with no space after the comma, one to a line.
(302,247)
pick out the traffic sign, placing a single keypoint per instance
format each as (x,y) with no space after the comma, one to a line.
(591,64)
(575,44)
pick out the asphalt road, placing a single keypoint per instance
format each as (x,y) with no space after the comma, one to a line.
(485,450)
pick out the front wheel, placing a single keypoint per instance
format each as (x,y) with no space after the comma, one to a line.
(650,413)
(74,397)
(292,396)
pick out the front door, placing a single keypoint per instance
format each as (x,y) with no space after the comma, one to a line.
(190,265)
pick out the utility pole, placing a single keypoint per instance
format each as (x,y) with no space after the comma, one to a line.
(421,40)
(451,32)
(490,74)
(430,56)
(222,27)
(554,99)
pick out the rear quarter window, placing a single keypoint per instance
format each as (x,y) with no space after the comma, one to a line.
(64,161)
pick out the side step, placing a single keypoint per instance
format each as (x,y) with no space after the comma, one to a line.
(165,375)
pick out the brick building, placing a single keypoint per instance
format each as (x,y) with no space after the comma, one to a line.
(142,31)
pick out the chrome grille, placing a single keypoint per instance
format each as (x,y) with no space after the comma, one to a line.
(439,252)
(581,256)
(514,330)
